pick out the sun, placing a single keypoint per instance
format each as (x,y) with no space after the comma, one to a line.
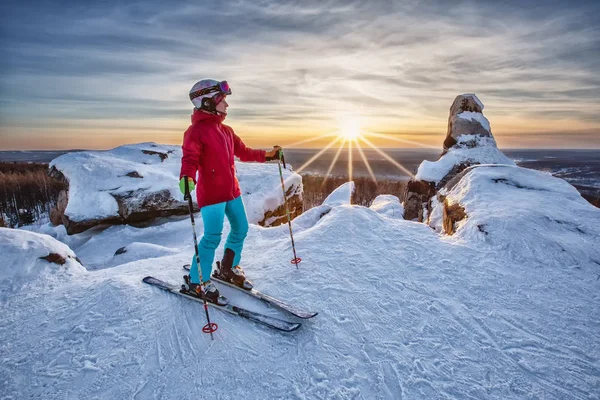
(349,128)
(351,135)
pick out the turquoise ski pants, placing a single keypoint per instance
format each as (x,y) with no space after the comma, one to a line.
(213,217)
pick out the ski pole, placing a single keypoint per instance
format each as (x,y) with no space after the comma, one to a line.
(296,260)
(209,327)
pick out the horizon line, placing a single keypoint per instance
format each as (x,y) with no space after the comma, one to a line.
(308,148)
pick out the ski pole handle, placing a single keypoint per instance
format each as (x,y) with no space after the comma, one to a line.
(186,196)
(282,158)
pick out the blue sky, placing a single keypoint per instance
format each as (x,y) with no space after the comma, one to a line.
(79,74)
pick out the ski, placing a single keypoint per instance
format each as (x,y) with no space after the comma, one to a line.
(266,298)
(266,320)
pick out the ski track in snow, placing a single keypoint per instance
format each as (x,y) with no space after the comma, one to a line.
(404,314)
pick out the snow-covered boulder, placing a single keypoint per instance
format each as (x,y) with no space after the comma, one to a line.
(469,141)
(139,182)
(528,212)
(263,196)
(129,183)
(388,205)
(26,256)
(469,150)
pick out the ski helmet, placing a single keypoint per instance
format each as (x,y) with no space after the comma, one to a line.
(207,93)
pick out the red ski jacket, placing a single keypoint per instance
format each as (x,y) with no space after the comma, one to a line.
(208,149)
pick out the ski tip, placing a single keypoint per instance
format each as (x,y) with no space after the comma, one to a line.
(307,315)
(148,278)
(294,327)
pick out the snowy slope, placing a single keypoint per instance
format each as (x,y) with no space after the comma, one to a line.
(404,312)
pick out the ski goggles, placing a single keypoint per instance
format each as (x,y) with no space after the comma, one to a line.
(221,87)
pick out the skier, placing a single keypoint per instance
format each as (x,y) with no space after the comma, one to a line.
(209,147)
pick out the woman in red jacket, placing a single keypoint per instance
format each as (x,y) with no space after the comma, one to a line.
(209,147)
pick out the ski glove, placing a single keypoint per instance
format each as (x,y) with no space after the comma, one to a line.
(191,185)
(273,154)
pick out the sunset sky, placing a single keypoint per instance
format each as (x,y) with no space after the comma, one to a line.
(95,75)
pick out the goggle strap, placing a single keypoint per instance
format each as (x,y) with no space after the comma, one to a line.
(215,88)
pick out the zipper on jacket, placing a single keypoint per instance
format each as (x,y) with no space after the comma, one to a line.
(213,172)
(230,157)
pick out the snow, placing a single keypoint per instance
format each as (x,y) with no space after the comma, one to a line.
(404,312)
(475,99)
(20,257)
(341,195)
(436,218)
(96,177)
(469,115)
(549,220)
(388,205)
(485,152)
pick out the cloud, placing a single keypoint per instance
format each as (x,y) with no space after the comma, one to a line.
(397,63)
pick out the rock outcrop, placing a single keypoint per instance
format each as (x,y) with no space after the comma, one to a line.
(469,141)
(295,206)
(137,183)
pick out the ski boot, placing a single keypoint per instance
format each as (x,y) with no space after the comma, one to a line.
(211,293)
(225,271)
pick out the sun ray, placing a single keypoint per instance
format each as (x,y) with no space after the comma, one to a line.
(350,160)
(384,136)
(326,135)
(362,154)
(387,157)
(337,154)
(313,158)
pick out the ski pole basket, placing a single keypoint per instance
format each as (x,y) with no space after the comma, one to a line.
(210,328)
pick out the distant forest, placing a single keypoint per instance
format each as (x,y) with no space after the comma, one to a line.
(27,193)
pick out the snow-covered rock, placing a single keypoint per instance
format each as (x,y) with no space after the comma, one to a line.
(263,196)
(139,182)
(129,183)
(528,213)
(29,257)
(476,150)
(388,205)
(469,141)
(466,118)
